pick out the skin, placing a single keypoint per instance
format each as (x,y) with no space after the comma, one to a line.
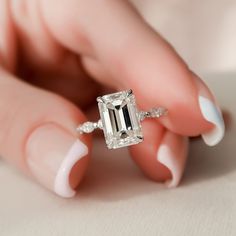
(64,55)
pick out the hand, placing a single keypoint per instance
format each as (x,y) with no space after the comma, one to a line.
(55,47)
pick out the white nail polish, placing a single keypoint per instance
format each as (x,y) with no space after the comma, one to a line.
(173,157)
(213,115)
(62,185)
(166,157)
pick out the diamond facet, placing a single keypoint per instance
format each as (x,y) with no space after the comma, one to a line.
(120,121)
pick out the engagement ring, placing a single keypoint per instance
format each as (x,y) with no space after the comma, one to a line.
(120,119)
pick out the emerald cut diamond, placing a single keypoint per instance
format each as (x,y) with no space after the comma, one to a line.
(120,119)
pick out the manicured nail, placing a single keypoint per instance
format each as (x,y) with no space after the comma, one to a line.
(51,154)
(172,153)
(213,115)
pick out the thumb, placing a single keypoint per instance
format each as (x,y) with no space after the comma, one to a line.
(38,135)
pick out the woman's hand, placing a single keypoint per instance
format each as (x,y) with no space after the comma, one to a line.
(59,46)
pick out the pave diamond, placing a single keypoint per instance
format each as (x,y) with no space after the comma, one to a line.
(120,121)
(87,127)
(158,112)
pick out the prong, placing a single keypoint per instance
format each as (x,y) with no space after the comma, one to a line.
(99,99)
(129,92)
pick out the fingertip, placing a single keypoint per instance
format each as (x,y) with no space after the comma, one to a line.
(56,158)
(43,141)
(211,113)
(71,170)
(144,154)
(172,153)
(162,156)
(79,168)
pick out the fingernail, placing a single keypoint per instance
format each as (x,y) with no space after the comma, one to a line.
(172,153)
(51,154)
(211,113)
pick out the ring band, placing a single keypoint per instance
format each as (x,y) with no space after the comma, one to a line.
(120,119)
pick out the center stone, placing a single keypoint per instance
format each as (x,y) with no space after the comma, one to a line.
(119,116)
